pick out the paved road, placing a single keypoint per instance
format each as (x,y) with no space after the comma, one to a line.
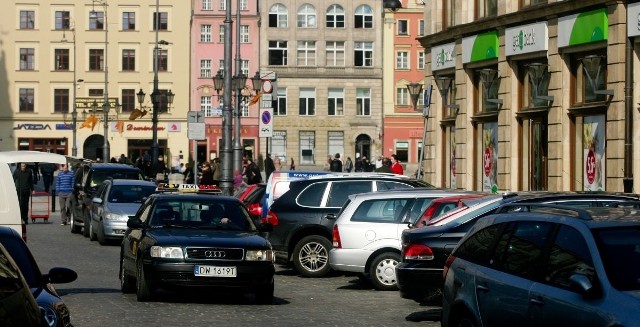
(94,299)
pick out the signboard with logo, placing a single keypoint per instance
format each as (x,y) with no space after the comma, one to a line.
(587,27)
(480,47)
(443,56)
(490,157)
(526,39)
(633,19)
(593,153)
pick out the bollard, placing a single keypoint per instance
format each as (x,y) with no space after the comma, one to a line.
(53,200)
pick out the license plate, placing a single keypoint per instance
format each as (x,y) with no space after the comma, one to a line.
(214,271)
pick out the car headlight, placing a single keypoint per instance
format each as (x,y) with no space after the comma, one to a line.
(50,315)
(172,252)
(113,216)
(259,255)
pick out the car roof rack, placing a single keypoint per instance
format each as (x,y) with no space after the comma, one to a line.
(546,208)
(188,188)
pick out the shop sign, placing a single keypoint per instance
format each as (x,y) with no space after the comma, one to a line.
(480,47)
(526,39)
(136,128)
(443,56)
(583,28)
(67,127)
(633,19)
(32,127)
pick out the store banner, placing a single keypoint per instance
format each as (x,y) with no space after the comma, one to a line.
(593,141)
(526,39)
(480,47)
(490,157)
(583,28)
(443,56)
(633,19)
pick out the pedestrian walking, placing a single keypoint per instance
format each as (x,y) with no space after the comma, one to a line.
(336,164)
(269,167)
(64,188)
(159,169)
(207,174)
(292,166)
(46,170)
(396,167)
(23,179)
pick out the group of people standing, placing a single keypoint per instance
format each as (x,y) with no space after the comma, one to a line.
(362,164)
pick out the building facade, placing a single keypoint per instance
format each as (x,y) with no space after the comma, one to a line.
(57,56)
(532,95)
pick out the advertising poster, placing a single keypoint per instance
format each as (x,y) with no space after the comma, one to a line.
(452,163)
(594,155)
(490,157)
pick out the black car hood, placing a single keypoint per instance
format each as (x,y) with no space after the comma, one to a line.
(410,235)
(168,236)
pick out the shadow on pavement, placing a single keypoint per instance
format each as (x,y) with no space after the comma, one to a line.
(427,315)
(68,291)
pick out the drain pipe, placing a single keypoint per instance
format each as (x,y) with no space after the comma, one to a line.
(628,118)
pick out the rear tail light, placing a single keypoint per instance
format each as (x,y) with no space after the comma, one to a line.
(271,218)
(447,264)
(24,232)
(255,209)
(427,215)
(417,252)
(336,237)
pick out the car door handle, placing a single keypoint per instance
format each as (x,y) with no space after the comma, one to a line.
(482,288)
(537,301)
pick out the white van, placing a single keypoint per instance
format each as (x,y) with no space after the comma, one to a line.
(9,207)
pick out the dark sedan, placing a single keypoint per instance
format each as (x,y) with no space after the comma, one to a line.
(55,311)
(195,241)
(425,250)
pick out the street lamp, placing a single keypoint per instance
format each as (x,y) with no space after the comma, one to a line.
(74,113)
(239,83)
(414,91)
(105,105)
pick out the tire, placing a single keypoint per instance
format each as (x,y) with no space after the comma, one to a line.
(127,283)
(311,256)
(143,290)
(462,319)
(383,271)
(100,235)
(264,294)
(75,229)
(92,235)
(87,227)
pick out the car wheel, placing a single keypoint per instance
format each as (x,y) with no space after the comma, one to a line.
(264,294)
(126,282)
(75,229)
(87,222)
(143,291)
(383,271)
(100,234)
(92,234)
(311,256)
(462,320)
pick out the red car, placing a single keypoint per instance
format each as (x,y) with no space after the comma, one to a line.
(441,206)
(252,197)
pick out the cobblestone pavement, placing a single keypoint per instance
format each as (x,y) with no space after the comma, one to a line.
(94,299)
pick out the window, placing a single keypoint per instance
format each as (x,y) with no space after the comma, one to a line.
(306,53)
(279,104)
(27,96)
(363,102)
(363,17)
(335,140)
(223,5)
(449,13)
(486,8)
(129,100)
(307,16)
(336,103)
(340,191)
(27,57)
(486,93)
(363,54)
(163,104)
(27,19)
(163,60)
(96,92)
(244,67)
(205,68)
(402,96)
(206,5)
(278,16)
(527,88)
(160,21)
(205,33)
(96,59)
(312,196)
(61,100)
(307,144)
(477,247)
(205,105)
(221,34)
(96,21)
(61,59)
(335,53)
(421,60)
(244,34)
(307,102)
(128,60)
(403,26)
(569,254)
(128,21)
(529,3)
(221,66)
(520,247)
(279,147)
(278,53)
(402,60)
(402,151)
(335,16)
(421,27)
(63,20)
(244,5)
(581,84)
(380,211)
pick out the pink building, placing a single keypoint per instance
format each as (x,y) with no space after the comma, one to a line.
(207,57)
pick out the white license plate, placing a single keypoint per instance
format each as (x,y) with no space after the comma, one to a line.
(213,271)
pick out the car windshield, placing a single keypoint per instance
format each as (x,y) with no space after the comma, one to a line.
(618,247)
(21,255)
(130,193)
(201,214)
(99,176)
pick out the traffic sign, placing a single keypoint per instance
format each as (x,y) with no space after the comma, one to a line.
(195,117)
(268,75)
(266,123)
(196,131)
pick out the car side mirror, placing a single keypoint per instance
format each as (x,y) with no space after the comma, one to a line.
(134,223)
(265,228)
(582,284)
(60,275)
(97,200)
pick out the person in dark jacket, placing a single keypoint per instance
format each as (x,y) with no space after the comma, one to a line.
(207,174)
(64,188)
(159,169)
(336,164)
(385,168)
(46,170)
(23,179)
(269,166)
(252,172)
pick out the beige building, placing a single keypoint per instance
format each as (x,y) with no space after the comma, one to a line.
(533,95)
(48,47)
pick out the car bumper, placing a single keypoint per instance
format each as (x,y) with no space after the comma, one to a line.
(419,283)
(353,260)
(114,229)
(177,275)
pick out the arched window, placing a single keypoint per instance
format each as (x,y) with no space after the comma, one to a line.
(307,16)
(363,17)
(278,16)
(335,16)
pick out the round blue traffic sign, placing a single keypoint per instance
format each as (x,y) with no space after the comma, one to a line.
(266,117)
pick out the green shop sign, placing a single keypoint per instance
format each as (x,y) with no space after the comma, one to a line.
(480,47)
(583,28)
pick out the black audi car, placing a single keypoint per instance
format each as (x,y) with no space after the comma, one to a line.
(179,241)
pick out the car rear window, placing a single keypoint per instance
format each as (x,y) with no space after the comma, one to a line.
(618,248)
(130,193)
(98,176)
(380,210)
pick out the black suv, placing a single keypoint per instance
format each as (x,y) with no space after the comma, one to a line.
(303,217)
(88,178)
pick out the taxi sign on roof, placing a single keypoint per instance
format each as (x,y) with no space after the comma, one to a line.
(188,188)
